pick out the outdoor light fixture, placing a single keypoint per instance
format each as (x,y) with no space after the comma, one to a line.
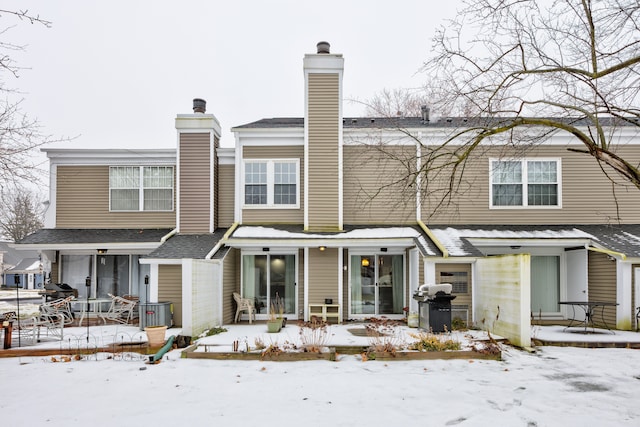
(146,279)
(102,251)
(365,262)
(322,248)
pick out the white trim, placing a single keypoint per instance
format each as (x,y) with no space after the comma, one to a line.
(341,272)
(238,184)
(623,295)
(50,216)
(306,284)
(197,122)
(178,173)
(153,283)
(270,183)
(187,295)
(524,183)
(110,157)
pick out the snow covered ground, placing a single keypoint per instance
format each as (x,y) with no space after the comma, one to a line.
(554,386)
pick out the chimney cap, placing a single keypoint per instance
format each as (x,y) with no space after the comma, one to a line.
(199,105)
(323,47)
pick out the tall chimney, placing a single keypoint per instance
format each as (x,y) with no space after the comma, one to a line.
(323,140)
(199,106)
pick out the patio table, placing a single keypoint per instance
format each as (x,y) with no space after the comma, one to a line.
(589,307)
(86,306)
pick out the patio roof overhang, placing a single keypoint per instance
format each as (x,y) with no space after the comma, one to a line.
(464,241)
(91,240)
(246,237)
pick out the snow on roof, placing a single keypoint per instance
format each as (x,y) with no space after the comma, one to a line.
(453,238)
(360,233)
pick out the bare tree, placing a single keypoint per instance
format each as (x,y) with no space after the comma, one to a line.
(21,215)
(396,103)
(20,135)
(522,69)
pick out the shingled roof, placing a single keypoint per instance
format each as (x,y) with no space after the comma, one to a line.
(193,246)
(418,122)
(94,235)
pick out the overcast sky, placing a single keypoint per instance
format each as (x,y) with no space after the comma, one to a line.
(115,73)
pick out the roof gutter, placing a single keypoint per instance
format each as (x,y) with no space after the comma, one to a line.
(218,245)
(168,235)
(608,252)
(434,239)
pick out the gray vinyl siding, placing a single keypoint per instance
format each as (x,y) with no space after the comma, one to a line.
(271,215)
(602,286)
(323,275)
(82,201)
(195,183)
(587,194)
(323,125)
(375,185)
(226,195)
(230,284)
(170,289)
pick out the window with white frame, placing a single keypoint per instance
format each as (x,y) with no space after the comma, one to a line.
(525,182)
(141,188)
(271,183)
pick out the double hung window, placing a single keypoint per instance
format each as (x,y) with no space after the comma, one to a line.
(526,182)
(141,188)
(271,183)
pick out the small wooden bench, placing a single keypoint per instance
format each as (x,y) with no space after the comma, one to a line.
(326,311)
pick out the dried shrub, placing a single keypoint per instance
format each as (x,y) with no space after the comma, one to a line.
(384,335)
(314,335)
(426,341)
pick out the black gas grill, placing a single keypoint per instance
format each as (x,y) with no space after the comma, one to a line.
(53,291)
(434,302)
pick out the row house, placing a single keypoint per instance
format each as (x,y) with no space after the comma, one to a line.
(324,209)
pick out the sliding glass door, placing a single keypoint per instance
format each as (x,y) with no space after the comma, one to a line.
(377,284)
(271,281)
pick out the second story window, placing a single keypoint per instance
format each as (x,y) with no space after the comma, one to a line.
(526,182)
(271,183)
(141,188)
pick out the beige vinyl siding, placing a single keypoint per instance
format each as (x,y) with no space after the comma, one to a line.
(462,299)
(230,284)
(271,215)
(170,289)
(323,124)
(55,271)
(602,286)
(216,184)
(226,195)
(82,201)
(375,189)
(195,183)
(587,195)
(323,275)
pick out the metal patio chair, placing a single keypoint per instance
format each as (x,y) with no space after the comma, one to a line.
(60,306)
(121,310)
